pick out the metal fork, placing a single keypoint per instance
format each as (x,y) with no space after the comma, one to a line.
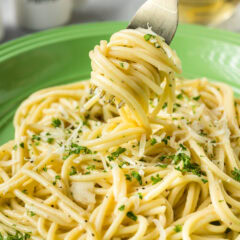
(160,15)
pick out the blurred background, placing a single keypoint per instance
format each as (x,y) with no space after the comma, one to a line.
(21,17)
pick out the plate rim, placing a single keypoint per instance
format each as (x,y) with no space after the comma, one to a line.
(101,30)
(50,36)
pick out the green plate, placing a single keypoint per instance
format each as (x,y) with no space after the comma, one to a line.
(61,56)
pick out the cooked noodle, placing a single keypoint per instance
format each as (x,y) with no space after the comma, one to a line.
(135,153)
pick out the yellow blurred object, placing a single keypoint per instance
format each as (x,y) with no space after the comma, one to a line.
(208,12)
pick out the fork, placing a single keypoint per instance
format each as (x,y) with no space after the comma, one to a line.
(159,15)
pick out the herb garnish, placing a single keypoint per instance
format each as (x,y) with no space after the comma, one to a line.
(196,98)
(178,228)
(56,122)
(140,195)
(204,180)
(164,105)
(128,177)
(162,158)
(36,137)
(162,165)
(116,154)
(21,145)
(182,147)
(180,96)
(18,236)
(156,179)
(50,140)
(202,133)
(91,167)
(236,174)
(57,177)
(187,165)
(165,140)
(73,171)
(132,216)
(77,149)
(137,176)
(121,208)
(153,141)
(31,213)
(147,37)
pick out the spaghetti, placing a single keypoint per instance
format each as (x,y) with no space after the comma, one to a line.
(134,153)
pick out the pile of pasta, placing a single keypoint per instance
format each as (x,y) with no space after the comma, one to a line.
(134,153)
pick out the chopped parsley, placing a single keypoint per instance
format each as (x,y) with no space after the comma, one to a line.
(128,177)
(202,133)
(36,138)
(121,164)
(177,105)
(157,45)
(165,140)
(156,179)
(57,177)
(140,195)
(147,37)
(132,216)
(15,147)
(137,176)
(121,64)
(77,149)
(162,158)
(50,140)
(18,236)
(187,165)
(85,121)
(236,174)
(180,96)
(31,213)
(44,169)
(24,191)
(91,167)
(164,105)
(204,180)
(96,160)
(196,98)
(178,228)
(162,165)
(56,122)
(153,141)
(116,154)
(21,145)
(182,147)
(73,171)
(121,208)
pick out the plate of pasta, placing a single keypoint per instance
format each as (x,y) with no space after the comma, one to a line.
(117,135)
